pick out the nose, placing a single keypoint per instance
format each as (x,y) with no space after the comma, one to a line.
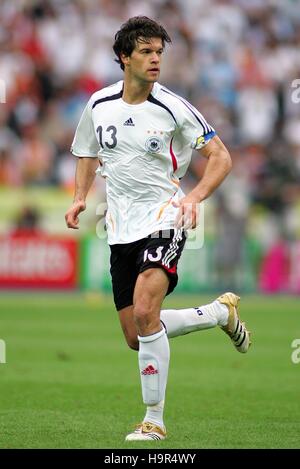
(155,58)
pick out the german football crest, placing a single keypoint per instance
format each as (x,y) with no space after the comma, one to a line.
(154,144)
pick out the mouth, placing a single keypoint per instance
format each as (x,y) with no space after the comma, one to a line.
(154,70)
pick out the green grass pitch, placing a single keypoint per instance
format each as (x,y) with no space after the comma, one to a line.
(71,382)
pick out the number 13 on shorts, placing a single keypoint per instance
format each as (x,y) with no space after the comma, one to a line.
(152,258)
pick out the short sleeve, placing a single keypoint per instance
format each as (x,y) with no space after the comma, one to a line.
(85,142)
(194,129)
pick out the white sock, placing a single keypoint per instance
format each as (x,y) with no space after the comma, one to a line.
(183,321)
(154,357)
(154,414)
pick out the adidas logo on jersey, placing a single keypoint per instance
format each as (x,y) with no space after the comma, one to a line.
(129,122)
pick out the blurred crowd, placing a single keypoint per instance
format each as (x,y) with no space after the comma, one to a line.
(237,61)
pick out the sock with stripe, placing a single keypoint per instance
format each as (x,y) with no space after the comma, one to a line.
(154,357)
(183,321)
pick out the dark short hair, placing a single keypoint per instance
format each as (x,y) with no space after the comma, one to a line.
(137,28)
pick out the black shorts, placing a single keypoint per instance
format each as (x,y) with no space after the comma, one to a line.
(161,249)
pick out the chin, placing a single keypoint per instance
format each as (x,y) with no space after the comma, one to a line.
(152,80)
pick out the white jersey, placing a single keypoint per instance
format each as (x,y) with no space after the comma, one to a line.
(144,150)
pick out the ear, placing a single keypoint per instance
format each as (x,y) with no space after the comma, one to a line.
(125,59)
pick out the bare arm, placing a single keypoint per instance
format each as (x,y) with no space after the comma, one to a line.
(218,166)
(84,178)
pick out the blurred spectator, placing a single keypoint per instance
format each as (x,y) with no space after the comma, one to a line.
(233,204)
(27,222)
(277,188)
(36,156)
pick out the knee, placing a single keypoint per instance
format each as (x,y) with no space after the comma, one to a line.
(142,315)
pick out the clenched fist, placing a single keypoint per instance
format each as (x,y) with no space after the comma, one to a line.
(71,216)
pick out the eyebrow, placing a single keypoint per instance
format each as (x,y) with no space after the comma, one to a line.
(150,48)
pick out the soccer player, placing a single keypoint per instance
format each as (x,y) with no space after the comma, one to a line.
(143,134)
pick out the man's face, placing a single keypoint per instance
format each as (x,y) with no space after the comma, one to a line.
(145,60)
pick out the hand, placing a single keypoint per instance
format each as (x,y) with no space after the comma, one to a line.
(188,213)
(71,216)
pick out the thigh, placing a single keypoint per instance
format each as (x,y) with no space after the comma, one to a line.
(151,287)
(150,290)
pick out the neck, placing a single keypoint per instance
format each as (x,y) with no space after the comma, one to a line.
(136,92)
